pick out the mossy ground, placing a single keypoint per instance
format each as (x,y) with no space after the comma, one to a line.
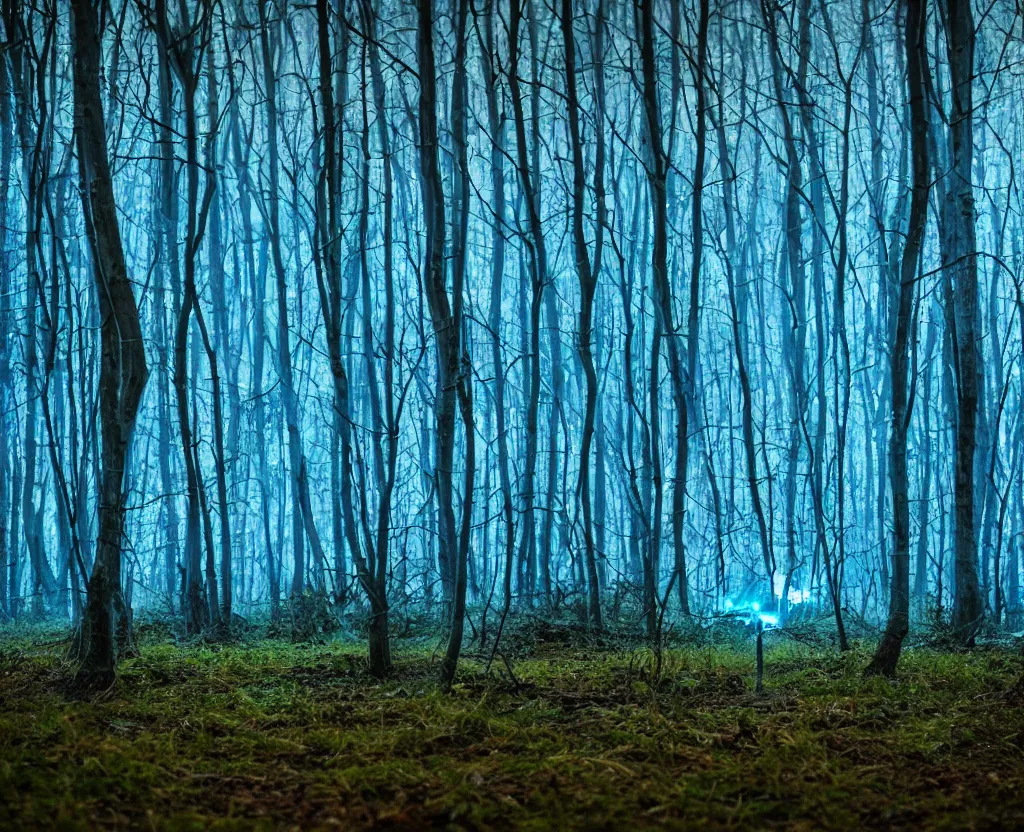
(271,735)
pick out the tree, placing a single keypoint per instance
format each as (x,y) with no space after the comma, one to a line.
(123,371)
(588,286)
(657,179)
(962,266)
(303,522)
(888,652)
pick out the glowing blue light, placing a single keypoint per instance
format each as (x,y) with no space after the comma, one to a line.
(751,614)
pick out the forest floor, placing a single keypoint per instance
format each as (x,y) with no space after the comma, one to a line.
(271,734)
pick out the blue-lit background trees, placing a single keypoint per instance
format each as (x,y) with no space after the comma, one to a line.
(472,307)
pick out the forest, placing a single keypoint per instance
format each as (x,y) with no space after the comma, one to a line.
(511,414)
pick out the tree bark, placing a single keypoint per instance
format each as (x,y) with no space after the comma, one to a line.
(958,211)
(888,652)
(588,287)
(123,370)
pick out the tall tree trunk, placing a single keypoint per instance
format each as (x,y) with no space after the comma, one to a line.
(664,326)
(445,321)
(330,307)
(495,123)
(735,274)
(588,286)
(888,652)
(185,55)
(537,259)
(167,267)
(29,93)
(8,541)
(463,380)
(257,279)
(795,286)
(694,396)
(220,344)
(123,361)
(958,211)
(303,522)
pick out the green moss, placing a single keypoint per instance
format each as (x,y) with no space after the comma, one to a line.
(274,734)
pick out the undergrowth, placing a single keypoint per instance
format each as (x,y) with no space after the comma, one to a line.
(585,732)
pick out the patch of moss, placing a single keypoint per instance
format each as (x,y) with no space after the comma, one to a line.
(274,734)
